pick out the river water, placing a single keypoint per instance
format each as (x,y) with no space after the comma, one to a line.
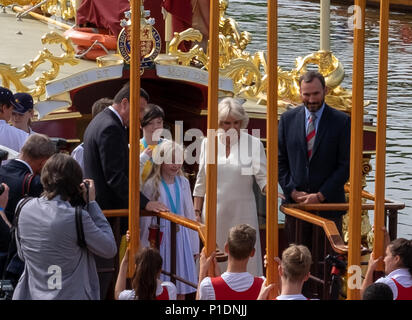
(298,28)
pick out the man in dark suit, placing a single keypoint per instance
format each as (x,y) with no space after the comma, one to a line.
(22,175)
(314,166)
(106,161)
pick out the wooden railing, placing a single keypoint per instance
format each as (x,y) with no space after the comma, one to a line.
(174,220)
(301,212)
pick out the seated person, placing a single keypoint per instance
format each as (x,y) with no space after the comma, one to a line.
(398,268)
(146,283)
(378,291)
(236,283)
(294,270)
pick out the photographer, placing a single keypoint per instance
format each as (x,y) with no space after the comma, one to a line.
(57,265)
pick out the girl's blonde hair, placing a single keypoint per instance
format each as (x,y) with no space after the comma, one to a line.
(296,262)
(229,106)
(167,152)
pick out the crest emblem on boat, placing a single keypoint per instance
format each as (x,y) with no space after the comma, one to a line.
(150,41)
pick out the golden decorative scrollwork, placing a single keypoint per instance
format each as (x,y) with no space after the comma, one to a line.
(18,2)
(248,72)
(60,8)
(12,75)
(65,9)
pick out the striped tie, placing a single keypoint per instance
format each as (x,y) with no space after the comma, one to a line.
(310,134)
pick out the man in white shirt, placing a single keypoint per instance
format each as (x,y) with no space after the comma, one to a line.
(10,136)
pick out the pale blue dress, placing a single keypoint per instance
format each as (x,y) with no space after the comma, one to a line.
(187,240)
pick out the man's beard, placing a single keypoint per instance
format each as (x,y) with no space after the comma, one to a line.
(313,107)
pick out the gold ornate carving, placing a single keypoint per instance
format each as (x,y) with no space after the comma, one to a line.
(60,8)
(12,75)
(18,2)
(248,72)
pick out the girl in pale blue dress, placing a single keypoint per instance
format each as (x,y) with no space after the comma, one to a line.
(166,183)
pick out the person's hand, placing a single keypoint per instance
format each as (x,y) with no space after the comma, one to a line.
(91,190)
(204,262)
(373,262)
(156,206)
(4,197)
(265,261)
(298,196)
(309,198)
(264,291)
(148,151)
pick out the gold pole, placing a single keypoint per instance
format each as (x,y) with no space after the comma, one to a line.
(379,216)
(134,174)
(272,236)
(325,25)
(212,124)
(355,199)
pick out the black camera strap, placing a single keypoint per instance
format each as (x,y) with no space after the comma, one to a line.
(79,227)
(14,235)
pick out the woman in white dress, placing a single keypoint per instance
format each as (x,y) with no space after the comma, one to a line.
(241,158)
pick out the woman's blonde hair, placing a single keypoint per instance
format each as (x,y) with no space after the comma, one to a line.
(232,107)
(167,152)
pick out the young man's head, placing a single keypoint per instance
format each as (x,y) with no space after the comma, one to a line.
(296,261)
(241,242)
(6,109)
(378,291)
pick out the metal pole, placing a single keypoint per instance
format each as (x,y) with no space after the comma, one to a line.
(325,25)
(134,174)
(379,216)
(355,199)
(272,231)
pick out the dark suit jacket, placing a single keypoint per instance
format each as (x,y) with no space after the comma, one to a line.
(106,160)
(13,174)
(328,169)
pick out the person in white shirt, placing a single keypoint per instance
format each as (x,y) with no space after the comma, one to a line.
(294,270)
(146,284)
(10,136)
(398,268)
(236,283)
(23,112)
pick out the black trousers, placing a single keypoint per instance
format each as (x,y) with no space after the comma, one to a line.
(313,237)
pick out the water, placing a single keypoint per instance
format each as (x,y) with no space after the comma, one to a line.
(299,36)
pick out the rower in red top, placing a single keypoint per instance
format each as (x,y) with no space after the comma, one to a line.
(398,269)
(236,283)
(146,284)
(294,270)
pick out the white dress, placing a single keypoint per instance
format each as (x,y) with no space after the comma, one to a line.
(236,203)
(187,240)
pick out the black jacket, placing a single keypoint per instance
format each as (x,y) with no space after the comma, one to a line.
(106,161)
(328,169)
(16,175)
